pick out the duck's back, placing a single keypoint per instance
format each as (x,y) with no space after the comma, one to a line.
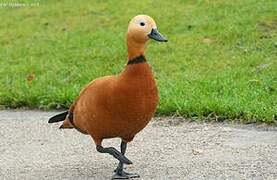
(118,106)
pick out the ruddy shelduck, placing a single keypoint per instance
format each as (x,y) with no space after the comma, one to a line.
(119,105)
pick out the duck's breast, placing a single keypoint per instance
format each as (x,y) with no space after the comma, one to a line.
(134,102)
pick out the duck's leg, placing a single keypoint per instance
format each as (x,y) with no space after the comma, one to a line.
(115,153)
(119,172)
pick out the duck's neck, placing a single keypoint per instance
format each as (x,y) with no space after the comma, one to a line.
(135,49)
(136,66)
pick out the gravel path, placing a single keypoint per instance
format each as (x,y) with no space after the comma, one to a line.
(169,148)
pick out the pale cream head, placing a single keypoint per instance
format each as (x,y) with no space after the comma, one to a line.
(141,27)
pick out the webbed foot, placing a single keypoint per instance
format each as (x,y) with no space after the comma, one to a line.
(124,175)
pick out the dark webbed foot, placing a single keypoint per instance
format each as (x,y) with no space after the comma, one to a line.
(115,153)
(124,175)
(119,172)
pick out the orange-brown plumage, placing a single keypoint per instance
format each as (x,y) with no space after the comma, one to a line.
(123,104)
(117,106)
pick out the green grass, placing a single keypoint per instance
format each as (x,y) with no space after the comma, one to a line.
(220,60)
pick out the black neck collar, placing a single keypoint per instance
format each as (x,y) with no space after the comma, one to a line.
(137,60)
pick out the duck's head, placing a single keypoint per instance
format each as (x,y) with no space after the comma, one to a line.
(142,28)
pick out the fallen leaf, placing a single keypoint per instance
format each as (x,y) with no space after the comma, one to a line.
(208,40)
(30,77)
(197,151)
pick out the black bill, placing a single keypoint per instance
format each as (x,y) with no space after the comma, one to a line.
(154,34)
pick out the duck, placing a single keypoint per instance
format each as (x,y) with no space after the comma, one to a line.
(119,106)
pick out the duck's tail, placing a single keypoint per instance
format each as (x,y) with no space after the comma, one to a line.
(61,117)
(58,117)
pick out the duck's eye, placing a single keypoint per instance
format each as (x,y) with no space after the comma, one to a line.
(142,24)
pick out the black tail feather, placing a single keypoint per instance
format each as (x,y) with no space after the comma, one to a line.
(58,117)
